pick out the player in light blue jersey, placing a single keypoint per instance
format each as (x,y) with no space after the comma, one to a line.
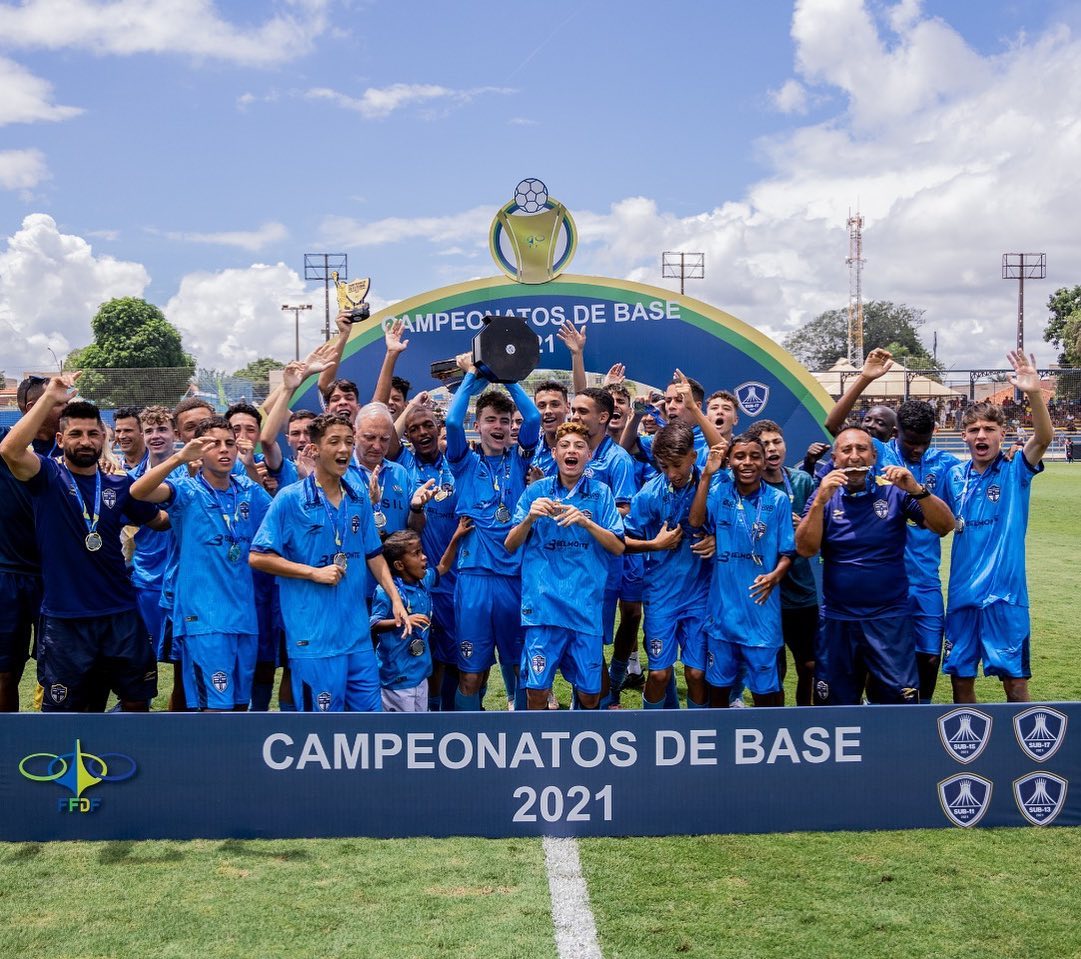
(487,607)
(676,571)
(912,449)
(683,399)
(752,523)
(550,398)
(988,617)
(320,540)
(566,526)
(214,603)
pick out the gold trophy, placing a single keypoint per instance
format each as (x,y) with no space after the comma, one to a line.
(533,225)
(352,297)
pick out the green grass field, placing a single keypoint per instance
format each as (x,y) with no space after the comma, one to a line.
(1009,893)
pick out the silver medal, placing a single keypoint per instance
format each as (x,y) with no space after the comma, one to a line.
(416,647)
(757,559)
(93,542)
(234,553)
(959,526)
(380,519)
(341,561)
(502,515)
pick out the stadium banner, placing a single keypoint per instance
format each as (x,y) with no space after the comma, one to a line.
(571,773)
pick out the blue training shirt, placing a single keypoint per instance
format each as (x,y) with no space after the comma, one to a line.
(18,544)
(78,582)
(798,588)
(747,526)
(562,566)
(151,547)
(299,526)
(440,515)
(398,667)
(987,561)
(213,592)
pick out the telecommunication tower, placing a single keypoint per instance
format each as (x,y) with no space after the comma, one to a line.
(855,263)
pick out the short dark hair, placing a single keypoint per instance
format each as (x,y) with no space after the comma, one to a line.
(602,399)
(723,395)
(553,386)
(212,423)
(672,441)
(758,427)
(192,403)
(403,386)
(301,415)
(346,386)
(916,416)
(78,410)
(497,400)
(396,545)
(618,389)
(747,438)
(128,413)
(984,410)
(319,425)
(32,384)
(243,407)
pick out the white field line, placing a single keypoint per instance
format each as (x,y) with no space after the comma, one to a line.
(575,930)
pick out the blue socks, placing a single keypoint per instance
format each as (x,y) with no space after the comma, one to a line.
(691,704)
(466,704)
(646,704)
(671,694)
(617,672)
(260,696)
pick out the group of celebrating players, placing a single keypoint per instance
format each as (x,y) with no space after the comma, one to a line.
(385,562)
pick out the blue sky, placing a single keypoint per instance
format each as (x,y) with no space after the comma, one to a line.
(192,152)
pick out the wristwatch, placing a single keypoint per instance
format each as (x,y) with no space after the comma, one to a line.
(922,494)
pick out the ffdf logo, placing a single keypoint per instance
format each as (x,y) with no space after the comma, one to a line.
(77,772)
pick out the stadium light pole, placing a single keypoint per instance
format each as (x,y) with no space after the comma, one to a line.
(1022,266)
(320,266)
(296,320)
(683,266)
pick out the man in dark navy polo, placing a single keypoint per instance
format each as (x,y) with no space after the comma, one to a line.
(20,561)
(92,638)
(859,522)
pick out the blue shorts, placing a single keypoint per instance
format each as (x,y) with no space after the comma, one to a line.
(81,660)
(998,634)
(152,614)
(608,615)
(337,684)
(488,614)
(20,611)
(578,656)
(634,577)
(729,663)
(442,637)
(927,621)
(670,635)
(168,647)
(880,651)
(218,669)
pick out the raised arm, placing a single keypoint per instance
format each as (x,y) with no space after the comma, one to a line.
(529,431)
(878,362)
(450,554)
(810,529)
(471,385)
(15,449)
(1027,380)
(330,374)
(151,485)
(575,341)
(936,514)
(699,505)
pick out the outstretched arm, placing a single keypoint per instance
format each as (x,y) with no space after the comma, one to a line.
(878,362)
(1026,379)
(529,431)
(151,485)
(330,374)
(575,341)
(471,385)
(20,458)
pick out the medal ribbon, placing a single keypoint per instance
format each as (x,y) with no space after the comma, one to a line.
(230,523)
(788,485)
(672,517)
(740,511)
(337,522)
(504,468)
(965,494)
(91,522)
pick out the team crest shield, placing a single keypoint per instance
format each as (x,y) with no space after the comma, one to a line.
(58,693)
(355,524)
(994,491)
(245,510)
(655,647)
(752,397)
(964,733)
(467,648)
(1040,796)
(108,497)
(881,508)
(220,681)
(538,663)
(322,701)
(1040,731)
(965,798)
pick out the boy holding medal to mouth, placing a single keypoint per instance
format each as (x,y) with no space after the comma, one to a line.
(320,540)
(217,512)
(755,545)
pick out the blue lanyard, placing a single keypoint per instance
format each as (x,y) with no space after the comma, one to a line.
(788,485)
(757,529)
(562,490)
(965,494)
(91,523)
(230,522)
(336,516)
(504,468)
(673,518)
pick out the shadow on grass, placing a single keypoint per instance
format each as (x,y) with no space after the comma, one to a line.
(114,852)
(236,847)
(25,851)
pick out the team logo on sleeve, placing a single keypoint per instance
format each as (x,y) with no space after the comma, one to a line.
(881,508)
(1040,796)
(1040,731)
(355,524)
(538,663)
(965,733)
(994,491)
(322,701)
(752,397)
(965,798)
(108,497)
(220,681)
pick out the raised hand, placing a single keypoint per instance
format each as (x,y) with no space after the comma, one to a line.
(320,358)
(196,449)
(616,375)
(62,388)
(374,491)
(423,494)
(344,324)
(1024,376)
(392,337)
(574,339)
(715,460)
(535,473)
(878,362)
(245,451)
(816,451)
(293,375)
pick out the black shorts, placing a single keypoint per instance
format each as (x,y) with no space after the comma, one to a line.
(20,610)
(799,626)
(81,660)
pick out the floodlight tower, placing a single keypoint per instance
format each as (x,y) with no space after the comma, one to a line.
(683,266)
(1021,267)
(320,266)
(855,263)
(296,320)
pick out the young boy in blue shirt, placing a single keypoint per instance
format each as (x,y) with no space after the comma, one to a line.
(405,661)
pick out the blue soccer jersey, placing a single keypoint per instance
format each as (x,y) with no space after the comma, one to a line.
(404,661)
(564,566)
(863,551)
(701,446)
(544,460)
(303,527)
(440,513)
(798,588)
(675,578)
(214,590)
(18,544)
(987,562)
(753,533)
(151,548)
(77,581)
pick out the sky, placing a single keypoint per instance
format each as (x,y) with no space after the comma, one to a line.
(191,152)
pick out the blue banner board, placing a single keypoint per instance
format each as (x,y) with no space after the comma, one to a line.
(611,773)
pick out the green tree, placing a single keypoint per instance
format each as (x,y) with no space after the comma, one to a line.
(131,334)
(820,342)
(1062,305)
(258,371)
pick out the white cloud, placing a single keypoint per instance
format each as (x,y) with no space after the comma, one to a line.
(790,98)
(191,27)
(27,98)
(251,240)
(51,284)
(22,169)
(376,103)
(469,227)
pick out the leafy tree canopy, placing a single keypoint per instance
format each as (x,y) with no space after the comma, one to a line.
(820,342)
(1063,305)
(130,333)
(258,371)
